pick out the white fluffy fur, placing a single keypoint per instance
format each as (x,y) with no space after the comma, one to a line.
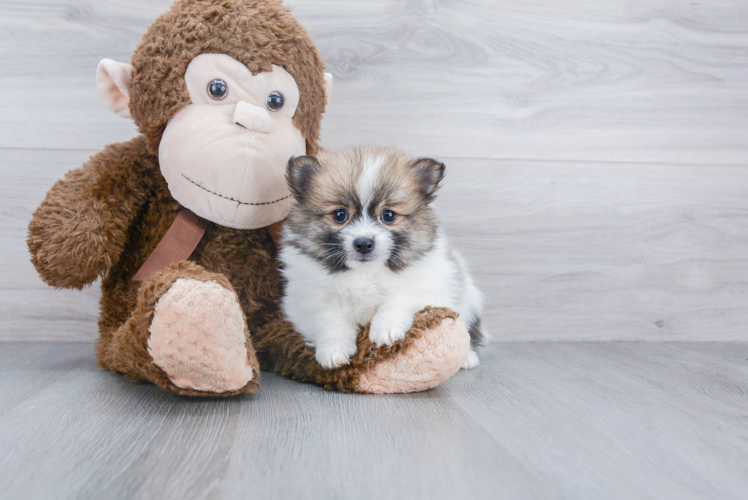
(367,182)
(329,308)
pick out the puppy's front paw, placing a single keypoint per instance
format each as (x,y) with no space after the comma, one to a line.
(388,328)
(335,353)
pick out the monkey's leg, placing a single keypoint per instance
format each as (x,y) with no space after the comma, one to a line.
(433,350)
(187,335)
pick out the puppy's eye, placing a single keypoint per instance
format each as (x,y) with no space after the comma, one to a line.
(218,89)
(340,215)
(274,101)
(388,216)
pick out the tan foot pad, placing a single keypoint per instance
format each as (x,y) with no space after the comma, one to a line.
(432,359)
(198,337)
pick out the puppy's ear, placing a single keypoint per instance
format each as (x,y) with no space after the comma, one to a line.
(429,173)
(299,173)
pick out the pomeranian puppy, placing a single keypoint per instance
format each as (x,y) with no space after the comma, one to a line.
(362,244)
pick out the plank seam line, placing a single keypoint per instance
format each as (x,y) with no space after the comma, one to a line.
(481,158)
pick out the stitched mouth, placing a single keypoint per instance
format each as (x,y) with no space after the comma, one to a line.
(234,200)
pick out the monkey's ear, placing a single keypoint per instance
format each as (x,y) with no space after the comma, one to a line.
(429,173)
(328,88)
(113,81)
(299,173)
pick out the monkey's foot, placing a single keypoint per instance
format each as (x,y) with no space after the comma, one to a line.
(198,337)
(434,350)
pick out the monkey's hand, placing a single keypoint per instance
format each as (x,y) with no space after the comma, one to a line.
(80,229)
(68,246)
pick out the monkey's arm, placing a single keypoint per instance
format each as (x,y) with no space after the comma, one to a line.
(79,230)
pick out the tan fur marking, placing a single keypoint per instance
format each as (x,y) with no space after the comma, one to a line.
(341,171)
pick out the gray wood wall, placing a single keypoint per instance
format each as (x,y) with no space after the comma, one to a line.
(597,151)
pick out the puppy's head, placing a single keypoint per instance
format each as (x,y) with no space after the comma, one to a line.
(362,207)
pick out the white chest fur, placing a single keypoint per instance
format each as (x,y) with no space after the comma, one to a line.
(357,294)
(328,308)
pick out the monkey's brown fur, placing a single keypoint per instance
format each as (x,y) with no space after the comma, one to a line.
(257,34)
(284,351)
(105,218)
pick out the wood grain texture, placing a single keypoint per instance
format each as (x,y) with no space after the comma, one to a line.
(597,162)
(29,309)
(536,420)
(563,251)
(594,249)
(610,80)
(571,251)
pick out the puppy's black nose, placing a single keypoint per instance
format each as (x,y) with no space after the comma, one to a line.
(363,245)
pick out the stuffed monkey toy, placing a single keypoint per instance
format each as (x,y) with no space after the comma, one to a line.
(179,222)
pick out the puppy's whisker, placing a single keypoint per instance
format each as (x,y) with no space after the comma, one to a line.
(341,260)
(338,255)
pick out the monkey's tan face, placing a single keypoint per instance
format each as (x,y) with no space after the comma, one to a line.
(224,155)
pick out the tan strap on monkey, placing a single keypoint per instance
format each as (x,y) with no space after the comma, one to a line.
(177,245)
(180,241)
(275,232)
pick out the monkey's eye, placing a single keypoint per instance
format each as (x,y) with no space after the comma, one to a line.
(274,101)
(340,215)
(218,89)
(388,216)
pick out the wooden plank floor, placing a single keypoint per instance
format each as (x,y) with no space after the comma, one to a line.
(536,420)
